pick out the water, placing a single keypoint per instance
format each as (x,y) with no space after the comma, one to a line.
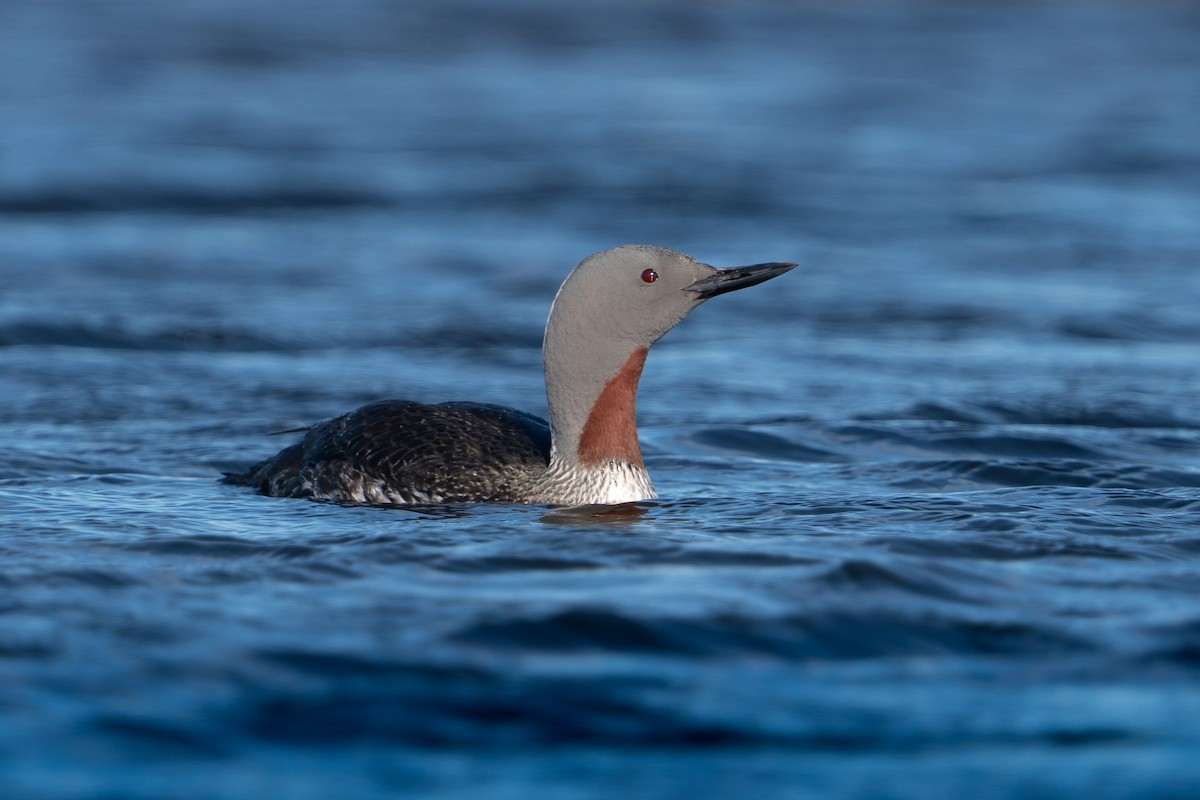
(930,515)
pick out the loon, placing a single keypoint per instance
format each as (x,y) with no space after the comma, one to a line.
(605,317)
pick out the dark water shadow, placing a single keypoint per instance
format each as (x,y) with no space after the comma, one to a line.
(623,514)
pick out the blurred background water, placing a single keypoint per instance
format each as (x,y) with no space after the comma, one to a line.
(930,514)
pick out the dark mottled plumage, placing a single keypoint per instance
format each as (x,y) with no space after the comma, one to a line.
(399,451)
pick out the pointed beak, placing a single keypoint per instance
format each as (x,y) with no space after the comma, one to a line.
(732,278)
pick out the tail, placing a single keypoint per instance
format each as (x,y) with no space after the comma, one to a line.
(255,475)
(238,478)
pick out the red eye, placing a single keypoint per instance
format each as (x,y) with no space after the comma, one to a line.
(649,275)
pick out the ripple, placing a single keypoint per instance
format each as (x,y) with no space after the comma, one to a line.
(833,635)
(153,738)
(952,474)
(218,546)
(1047,411)
(112,336)
(427,704)
(939,581)
(759,444)
(162,199)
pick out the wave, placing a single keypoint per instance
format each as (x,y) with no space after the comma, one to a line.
(836,634)
(1117,413)
(759,444)
(950,474)
(115,337)
(465,337)
(164,199)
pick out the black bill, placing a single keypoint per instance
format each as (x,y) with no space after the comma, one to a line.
(727,280)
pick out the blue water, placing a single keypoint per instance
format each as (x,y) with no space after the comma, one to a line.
(930,514)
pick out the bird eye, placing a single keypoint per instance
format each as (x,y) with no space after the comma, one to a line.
(649,275)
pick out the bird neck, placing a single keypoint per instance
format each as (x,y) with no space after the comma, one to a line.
(593,405)
(610,432)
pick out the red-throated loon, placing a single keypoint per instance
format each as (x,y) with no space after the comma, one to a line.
(607,313)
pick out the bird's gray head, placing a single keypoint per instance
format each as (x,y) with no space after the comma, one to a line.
(605,317)
(636,293)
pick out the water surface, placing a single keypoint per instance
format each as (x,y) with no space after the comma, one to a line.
(930,513)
